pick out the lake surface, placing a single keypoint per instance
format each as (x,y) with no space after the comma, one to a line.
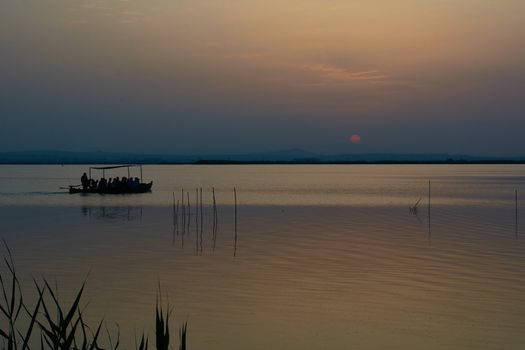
(325,257)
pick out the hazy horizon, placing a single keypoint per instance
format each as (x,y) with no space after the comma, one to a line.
(290,151)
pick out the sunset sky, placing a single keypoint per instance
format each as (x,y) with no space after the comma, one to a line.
(194,76)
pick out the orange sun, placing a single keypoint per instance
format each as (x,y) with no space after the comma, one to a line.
(355,138)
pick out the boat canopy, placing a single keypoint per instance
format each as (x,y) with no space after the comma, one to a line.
(104,168)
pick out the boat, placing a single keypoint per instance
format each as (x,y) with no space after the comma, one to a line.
(141,187)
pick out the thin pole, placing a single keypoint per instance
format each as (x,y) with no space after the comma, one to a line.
(182,235)
(141,173)
(196,243)
(201,205)
(128,172)
(197,208)
(177,217)
(214,230)
(516,209)
(189,210)
(199,248)
(174,211)
(429,232)
(183,211)
(429,196)
(202,227)
(214,208)
(196,221)
(235,197)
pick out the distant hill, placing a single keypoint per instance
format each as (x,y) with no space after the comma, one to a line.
(293,156)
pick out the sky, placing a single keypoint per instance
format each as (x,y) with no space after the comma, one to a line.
(241,76)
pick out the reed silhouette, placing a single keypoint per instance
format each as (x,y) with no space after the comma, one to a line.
(52,325)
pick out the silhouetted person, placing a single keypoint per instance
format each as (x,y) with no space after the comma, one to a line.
(124,182)
(84,181)
(102,184)
(131,183)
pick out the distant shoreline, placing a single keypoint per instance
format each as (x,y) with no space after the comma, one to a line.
(298,162)
(284,157)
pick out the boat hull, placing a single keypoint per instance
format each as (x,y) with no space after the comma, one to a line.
(142,188)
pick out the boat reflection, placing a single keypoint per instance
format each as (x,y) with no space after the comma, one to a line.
(113,213)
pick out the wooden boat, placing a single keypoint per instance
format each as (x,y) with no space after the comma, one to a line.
(141,187)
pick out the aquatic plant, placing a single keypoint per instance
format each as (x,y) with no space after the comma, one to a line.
(413,209)
(53,326)
(182,336)
(162,331)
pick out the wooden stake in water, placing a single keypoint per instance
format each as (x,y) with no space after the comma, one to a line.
(174,211)
(235,218)
(189,210)
(200,190)
(429,232)
(202,226)
(175,223)
(213,230)
(429,196)
(177,216)
(183,211)
(197,208)
(196,241)
(214,209)
(516,210)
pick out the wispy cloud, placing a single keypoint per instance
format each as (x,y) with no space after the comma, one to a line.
(246,55)
(128,16)
(330,73)
(121,11)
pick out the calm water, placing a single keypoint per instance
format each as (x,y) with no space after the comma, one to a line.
(326,257)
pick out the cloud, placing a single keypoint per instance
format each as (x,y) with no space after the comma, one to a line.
(247,56)
(128,16)
(330,73)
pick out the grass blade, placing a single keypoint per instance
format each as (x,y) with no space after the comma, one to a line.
(95,338)
(182,336)
(74,307)
(33,319)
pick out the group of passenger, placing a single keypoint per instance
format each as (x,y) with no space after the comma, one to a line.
(109,184)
